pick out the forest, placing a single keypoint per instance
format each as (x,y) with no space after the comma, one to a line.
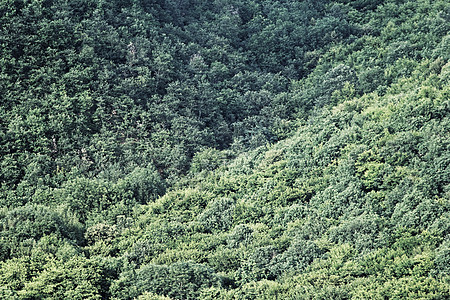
(224,149)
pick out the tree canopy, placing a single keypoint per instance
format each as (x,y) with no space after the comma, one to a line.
(226,149)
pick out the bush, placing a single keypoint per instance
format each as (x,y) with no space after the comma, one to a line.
(207,160)
(241,235)
(258,265)
(442,260)
(29,223)
(219,216)
(145,184)
(182,280)
(300,254)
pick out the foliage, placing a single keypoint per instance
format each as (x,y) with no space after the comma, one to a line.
(224,149)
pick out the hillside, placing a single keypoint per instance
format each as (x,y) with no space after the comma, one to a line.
(224,149)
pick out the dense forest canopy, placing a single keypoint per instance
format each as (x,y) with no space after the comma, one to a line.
(225,149)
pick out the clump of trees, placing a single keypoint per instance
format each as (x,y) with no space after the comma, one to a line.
(224,149)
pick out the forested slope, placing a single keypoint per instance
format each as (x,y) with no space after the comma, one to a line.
(224,149)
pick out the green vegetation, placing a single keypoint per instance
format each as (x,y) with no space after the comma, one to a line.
(226,149)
